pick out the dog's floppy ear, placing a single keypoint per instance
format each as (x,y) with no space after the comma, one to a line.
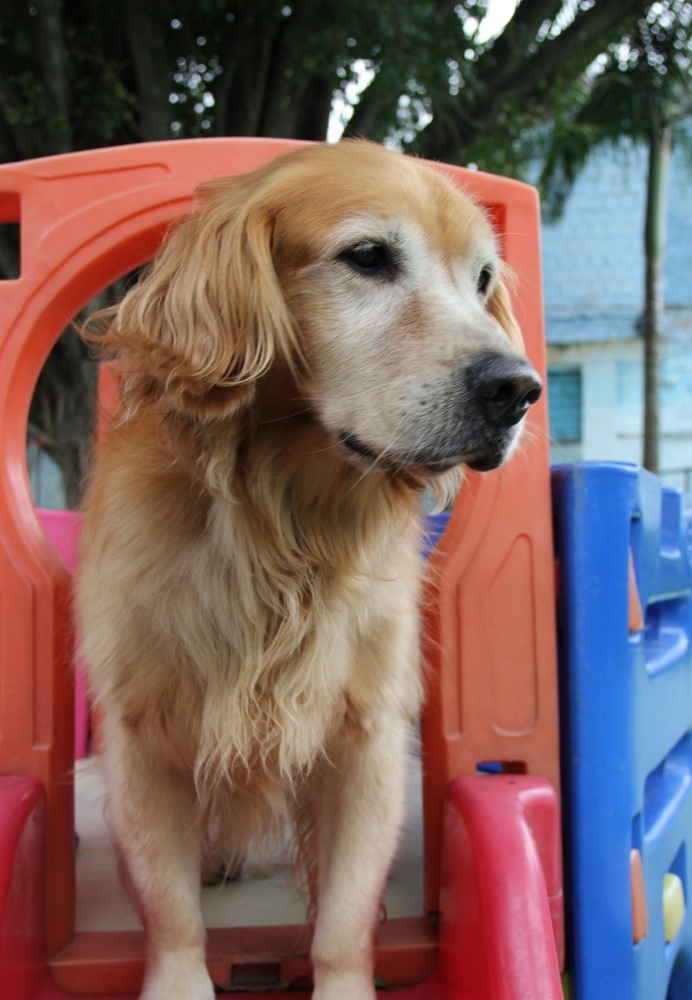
(500,308)
(209,317)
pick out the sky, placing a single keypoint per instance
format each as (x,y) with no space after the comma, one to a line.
(499,13)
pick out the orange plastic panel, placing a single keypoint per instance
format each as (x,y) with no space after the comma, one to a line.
(490,629)
(88,218)
(640,909)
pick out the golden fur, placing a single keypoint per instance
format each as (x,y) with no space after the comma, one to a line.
(300,362)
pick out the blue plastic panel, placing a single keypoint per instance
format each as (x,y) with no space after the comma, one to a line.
(435,525)
(627,724)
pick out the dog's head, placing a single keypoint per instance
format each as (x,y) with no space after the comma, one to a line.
(367,277)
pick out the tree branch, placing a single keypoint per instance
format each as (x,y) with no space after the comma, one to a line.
(528,84)
(507,53)
(567,53)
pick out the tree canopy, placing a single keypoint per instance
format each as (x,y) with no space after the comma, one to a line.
(79,75)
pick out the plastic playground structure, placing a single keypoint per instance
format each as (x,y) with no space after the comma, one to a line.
(492,922)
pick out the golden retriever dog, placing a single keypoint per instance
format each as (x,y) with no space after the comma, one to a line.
(319,342)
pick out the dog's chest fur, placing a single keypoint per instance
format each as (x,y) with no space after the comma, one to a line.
(288,604)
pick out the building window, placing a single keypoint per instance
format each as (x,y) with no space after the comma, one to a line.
(564,404)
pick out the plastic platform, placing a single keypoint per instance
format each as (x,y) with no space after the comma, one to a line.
(624,546)
(490,927)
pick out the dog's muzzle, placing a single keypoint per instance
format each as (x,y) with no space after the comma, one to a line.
(476,421)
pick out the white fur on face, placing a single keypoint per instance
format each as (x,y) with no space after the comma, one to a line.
(393,346)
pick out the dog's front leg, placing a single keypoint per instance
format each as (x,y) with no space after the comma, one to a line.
(360,805)
(153,812)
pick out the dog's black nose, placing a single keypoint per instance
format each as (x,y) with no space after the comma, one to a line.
(503,387)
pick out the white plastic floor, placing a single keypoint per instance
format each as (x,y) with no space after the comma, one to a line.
(259,897)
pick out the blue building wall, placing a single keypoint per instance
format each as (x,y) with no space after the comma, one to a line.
(593,257)
(593,268)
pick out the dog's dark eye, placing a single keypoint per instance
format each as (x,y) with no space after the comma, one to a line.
(484,279)
(370,258)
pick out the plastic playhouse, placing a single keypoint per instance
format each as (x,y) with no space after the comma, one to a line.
(491,923)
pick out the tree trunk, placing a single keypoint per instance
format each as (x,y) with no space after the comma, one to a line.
(654,247)
(150,61)
(56,87)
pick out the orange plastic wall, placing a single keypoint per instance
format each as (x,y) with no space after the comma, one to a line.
(490,631)
(88,218)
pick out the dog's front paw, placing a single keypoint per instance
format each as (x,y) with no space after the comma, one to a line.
(334,985)
(178,975)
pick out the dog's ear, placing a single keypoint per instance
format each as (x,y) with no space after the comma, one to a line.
(500,308)
(210,316)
